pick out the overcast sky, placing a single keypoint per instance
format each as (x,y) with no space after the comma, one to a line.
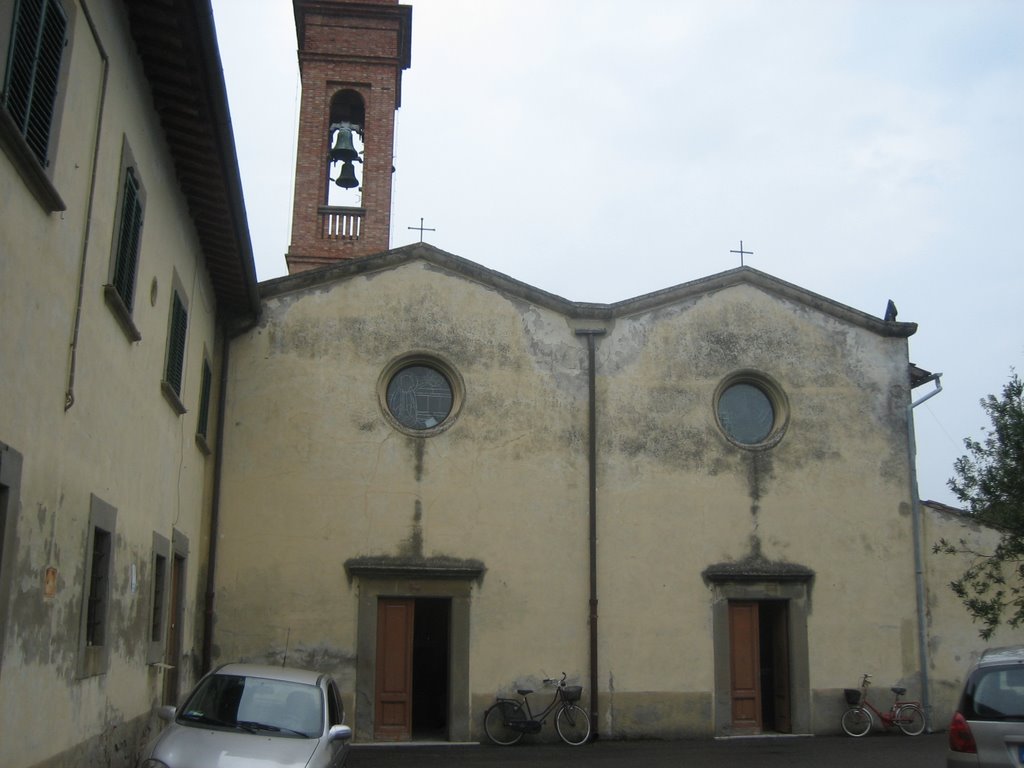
(865,151)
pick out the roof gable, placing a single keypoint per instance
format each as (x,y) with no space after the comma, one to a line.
(317,279)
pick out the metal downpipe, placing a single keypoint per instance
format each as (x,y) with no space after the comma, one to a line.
(922,621)
(592,462)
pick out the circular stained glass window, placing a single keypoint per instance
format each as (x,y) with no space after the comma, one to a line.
(419,397)
(746,413)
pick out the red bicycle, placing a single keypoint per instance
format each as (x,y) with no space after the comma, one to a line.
(905,715)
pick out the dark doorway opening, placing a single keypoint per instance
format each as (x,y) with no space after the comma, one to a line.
(773,631)
(430,672)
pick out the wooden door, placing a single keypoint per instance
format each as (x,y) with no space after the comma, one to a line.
(745,666)
(393,711)
(780,668)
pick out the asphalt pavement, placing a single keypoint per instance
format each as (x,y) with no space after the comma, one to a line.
(877,750)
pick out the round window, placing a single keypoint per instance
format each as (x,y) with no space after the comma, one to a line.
(751,410)
(419,397)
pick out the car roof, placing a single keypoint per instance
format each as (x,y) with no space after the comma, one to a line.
(288,674)
(1013,654)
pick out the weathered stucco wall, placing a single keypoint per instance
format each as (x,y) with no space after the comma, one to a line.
(120,440)
(316,476)
(953,639)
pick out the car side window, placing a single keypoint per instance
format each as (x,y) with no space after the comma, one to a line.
(335,709)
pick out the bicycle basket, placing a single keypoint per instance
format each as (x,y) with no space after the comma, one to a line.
(572,692)
(852,696)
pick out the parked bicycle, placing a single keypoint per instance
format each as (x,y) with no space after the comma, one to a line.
(507,720)
(905,715)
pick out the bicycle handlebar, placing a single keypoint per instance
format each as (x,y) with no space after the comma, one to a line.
(555,681)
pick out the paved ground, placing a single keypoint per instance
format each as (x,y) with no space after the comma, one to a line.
(878,750)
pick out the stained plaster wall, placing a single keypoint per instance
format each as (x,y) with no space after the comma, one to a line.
(677,496)
(315,475)
(120,440)
(953,639)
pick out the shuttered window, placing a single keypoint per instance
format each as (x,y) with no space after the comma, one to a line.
(126,258)
(33,68)
(176,345)
(204,401)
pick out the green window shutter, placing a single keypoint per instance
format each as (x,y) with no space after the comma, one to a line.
(204,400)
(33,69)
(176,344)
(128,241)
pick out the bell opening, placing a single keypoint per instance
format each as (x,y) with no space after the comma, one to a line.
(345,149)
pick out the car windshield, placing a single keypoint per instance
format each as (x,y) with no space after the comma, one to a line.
(256,705)
(999,694)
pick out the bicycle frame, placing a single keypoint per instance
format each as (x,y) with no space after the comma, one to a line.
(540,717)
(888,719)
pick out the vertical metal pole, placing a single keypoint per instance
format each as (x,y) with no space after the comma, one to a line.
(592,461)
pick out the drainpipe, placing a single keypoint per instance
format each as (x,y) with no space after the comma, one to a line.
(69,393)
(592,461)
(211,551)
(922,629)
(218,469)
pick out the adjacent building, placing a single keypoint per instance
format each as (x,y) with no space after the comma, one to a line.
(125,265)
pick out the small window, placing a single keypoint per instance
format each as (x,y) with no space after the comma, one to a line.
(99,588)
(751,410)
(38,37)
(94,645)
(175,366)
(126,244)
(158,599)
(202,423)
(10,492)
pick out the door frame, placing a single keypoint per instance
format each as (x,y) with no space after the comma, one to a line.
(796,592)
(370,591)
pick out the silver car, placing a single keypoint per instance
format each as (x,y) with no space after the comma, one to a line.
(246,716)
(987,730)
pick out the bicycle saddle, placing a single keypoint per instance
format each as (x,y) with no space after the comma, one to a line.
(523,691)
(898,691)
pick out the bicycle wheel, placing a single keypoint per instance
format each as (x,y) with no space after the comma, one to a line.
(573,724)
(910,719)
(856,721)
(496,722)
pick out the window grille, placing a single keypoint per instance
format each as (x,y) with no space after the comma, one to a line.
(99,582)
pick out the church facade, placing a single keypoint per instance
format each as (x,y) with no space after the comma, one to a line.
(697,502)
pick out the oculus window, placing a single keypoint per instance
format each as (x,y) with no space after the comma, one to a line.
(420,395)
(751,410)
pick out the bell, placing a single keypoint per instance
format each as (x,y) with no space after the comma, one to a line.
(347,178)
(343,148)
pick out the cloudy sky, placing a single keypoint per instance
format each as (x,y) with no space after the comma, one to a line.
(866,151)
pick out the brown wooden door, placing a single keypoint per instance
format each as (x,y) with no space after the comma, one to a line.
(745,666)
(393,712)
(780,668)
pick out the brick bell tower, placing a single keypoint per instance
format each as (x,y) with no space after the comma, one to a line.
(351,57)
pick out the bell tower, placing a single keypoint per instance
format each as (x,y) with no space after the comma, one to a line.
(351,57)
